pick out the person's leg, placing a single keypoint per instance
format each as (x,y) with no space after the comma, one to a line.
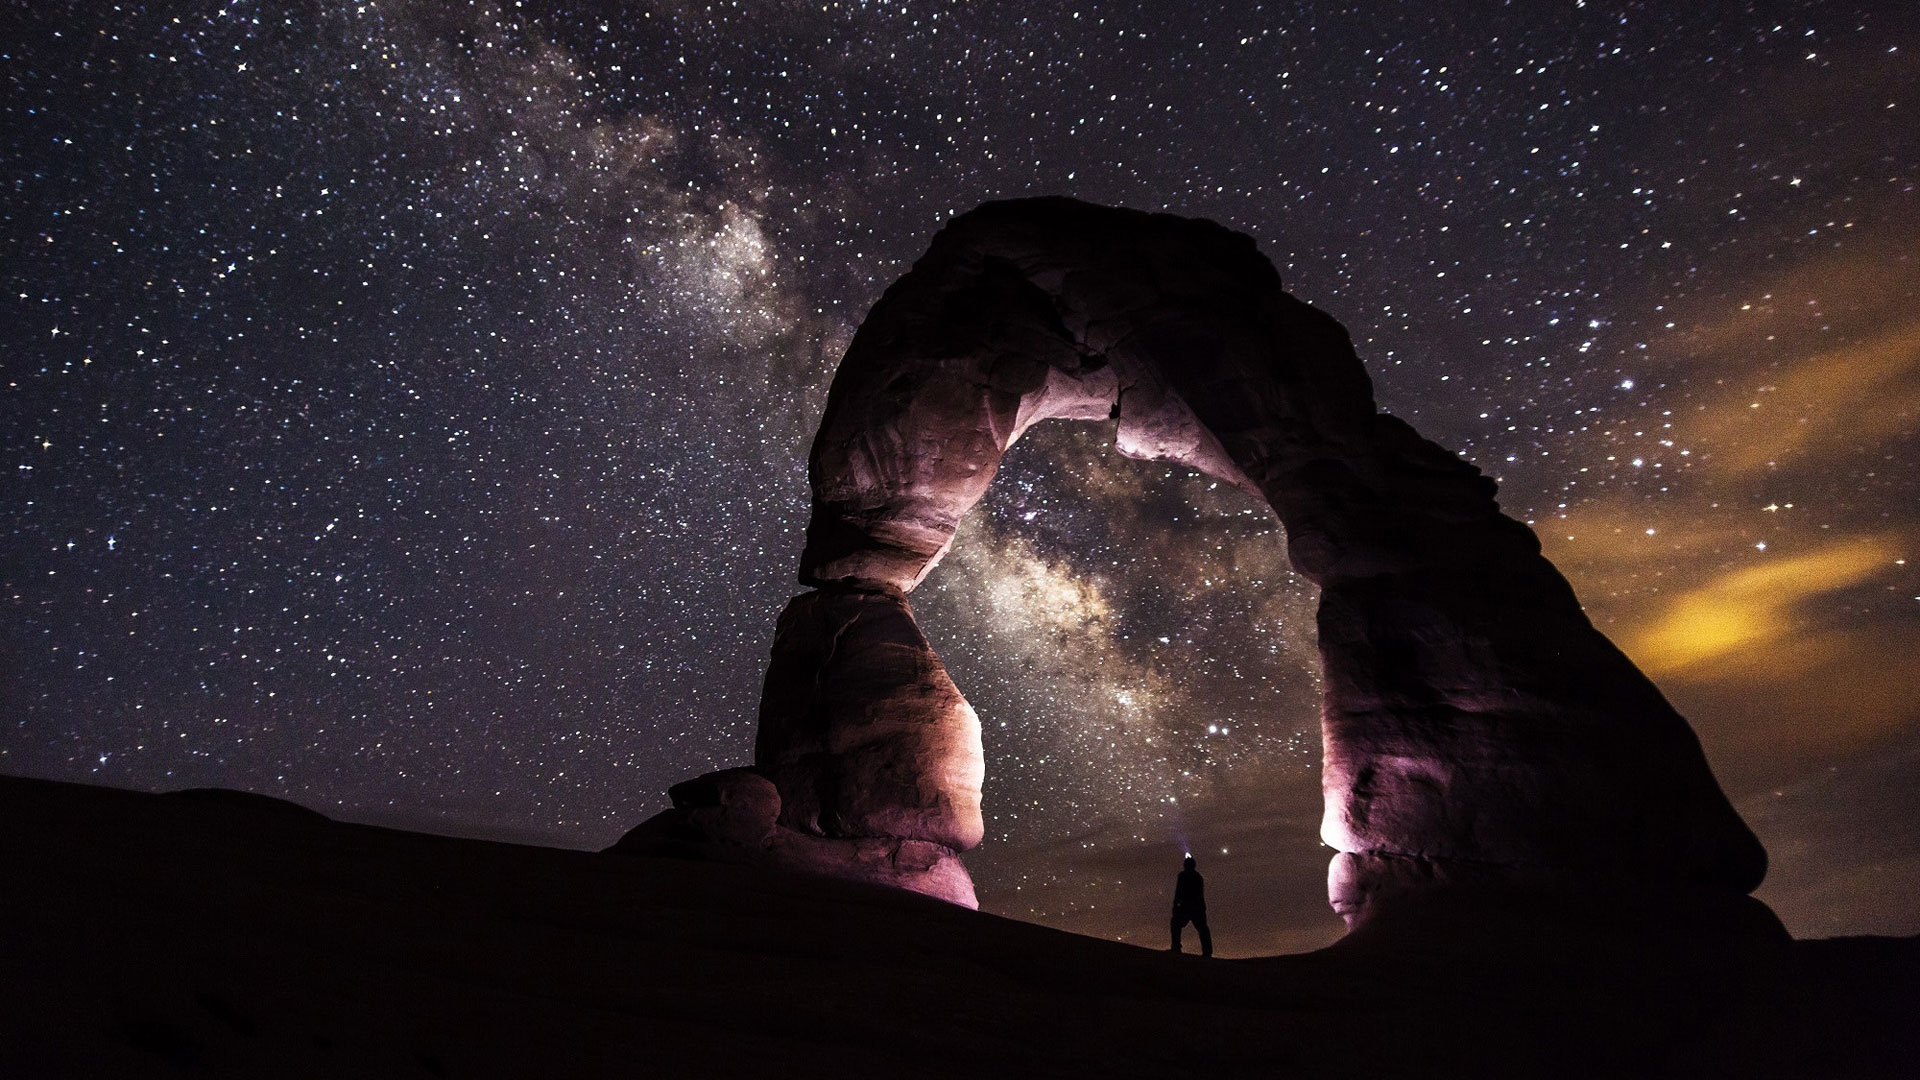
(1206,938)
(1176,923)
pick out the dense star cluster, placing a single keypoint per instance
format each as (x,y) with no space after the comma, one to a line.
(406,403)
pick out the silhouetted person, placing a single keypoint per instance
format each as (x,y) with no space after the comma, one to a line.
(1190,906)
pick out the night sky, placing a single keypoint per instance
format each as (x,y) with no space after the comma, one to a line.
(406,403)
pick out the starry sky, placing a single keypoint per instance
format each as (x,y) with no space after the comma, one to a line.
(406,403)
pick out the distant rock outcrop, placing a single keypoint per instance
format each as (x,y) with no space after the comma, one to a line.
(1478,728)
(732,816)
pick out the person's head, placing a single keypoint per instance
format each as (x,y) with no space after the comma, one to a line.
(1188,862)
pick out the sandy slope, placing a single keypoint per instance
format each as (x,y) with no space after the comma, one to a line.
(216,933)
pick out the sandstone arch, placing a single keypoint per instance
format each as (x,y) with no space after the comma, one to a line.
(1476,725)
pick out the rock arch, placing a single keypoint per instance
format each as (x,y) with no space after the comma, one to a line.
(1477,727)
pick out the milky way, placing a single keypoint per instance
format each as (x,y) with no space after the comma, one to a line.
(406,403)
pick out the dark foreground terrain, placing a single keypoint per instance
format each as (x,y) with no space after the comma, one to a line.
(216,933)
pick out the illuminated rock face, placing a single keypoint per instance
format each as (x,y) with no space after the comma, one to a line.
(862,730)
(1476,725)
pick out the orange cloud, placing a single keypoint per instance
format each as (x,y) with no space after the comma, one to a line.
(1753,610)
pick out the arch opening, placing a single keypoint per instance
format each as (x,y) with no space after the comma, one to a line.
(1141,658)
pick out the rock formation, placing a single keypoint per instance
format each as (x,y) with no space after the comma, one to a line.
(862,731)
(1478,728)
(731,816)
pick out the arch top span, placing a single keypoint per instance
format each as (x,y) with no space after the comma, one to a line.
(1052,308)
(1477,728)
